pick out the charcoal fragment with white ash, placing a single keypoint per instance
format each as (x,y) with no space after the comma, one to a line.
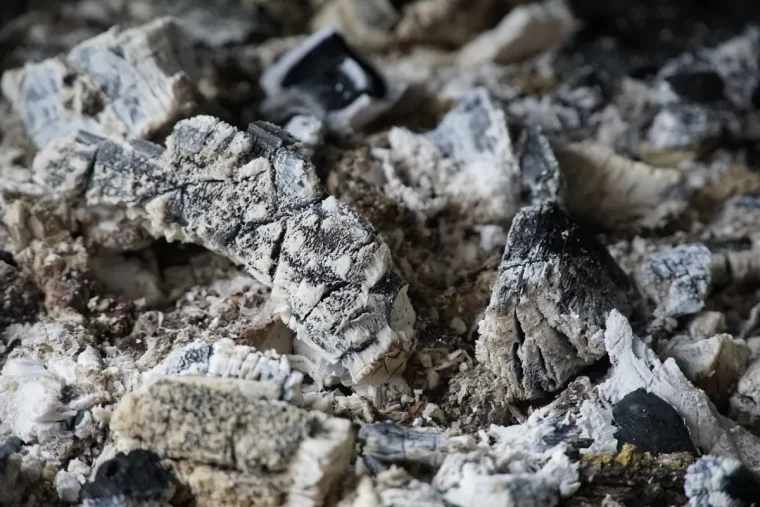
(546,318)
(380,253)
(326,77)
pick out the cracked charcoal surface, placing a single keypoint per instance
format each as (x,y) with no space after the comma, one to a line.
(649,423)
(326,266)
(677,280)
(497,252)
(108,86)
(545,320)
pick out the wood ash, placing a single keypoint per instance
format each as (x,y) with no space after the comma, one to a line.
(380,253)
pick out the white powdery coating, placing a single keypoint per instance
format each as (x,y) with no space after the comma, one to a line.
(595,423)
(526,31)
(677,280)
(635,366)
(67,486)
(297,453)
(227,360)
(706,479)
(30,406)
(745,402)
(714,364)
(252,197)
(683,126)
(129,83)
(513,472)
(467,161)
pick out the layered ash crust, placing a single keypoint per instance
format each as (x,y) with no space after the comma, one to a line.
(546,318)
(252,197)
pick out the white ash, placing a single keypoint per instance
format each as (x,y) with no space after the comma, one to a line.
(395,488)
(683,126)
(526,31)
(467,161)
(745,402)
(227,360)
(67,486)
(30,401)
(129,83)
(613,191)
(719,482)
(517,470)
(391,443)
(529,340)
(351,310)
(297,84)
(676,280)
(289,451)
(308,129)
(738,63)
(635,365)
(713,364)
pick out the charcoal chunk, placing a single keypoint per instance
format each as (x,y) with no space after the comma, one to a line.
(676,280)
(546,318)
(703,86)
(249,196)
(392,443)
(651,424)
(541,177)
(136,476)
(327,78)
(129,83)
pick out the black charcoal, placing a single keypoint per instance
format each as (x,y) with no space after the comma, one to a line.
(328,79)
(128,479)
(649,423)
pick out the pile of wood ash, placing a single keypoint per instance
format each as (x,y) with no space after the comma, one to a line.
(380,253)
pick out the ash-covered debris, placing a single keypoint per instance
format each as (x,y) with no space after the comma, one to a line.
(381,24)
(126,83)
(719,482)
(609,190)
(526,31)
(546,318)
(277,450)
(227,360)
(467,163)
(205,307)
(328,79)
(351,311)
(636,366)
(676,280)
(390,443)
